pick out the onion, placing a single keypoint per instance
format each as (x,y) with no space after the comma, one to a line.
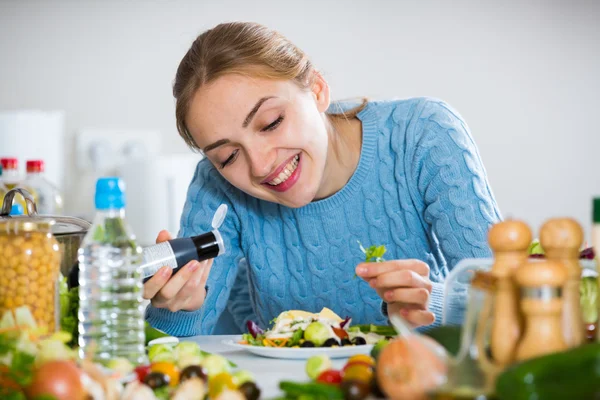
(409,367)
(59,379)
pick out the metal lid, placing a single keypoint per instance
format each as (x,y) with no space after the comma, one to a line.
(60,225)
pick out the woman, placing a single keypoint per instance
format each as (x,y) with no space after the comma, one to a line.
(305,181)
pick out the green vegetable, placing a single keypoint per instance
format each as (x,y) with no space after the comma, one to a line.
(187,349)
(316,365)
(376,350)
(589,299)
(311,390)
(253,341)
(242,376)
(152,333)
(373,253)
(383,330)
(215,364)
(317,333)
(17,355)
(448,336)
(121,365)
(535,248)
(69,306)
(161,352)
(162,393)
(296,338)
(572,374)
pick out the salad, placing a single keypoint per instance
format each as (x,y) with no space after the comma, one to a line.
(296,328)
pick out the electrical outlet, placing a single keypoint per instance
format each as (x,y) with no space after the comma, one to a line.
(104,149)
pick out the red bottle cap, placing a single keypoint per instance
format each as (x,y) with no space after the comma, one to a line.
(35,166)
(9,163)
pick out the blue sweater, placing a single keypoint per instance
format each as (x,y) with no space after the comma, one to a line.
(420,189)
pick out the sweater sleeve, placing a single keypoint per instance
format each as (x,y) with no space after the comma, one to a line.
(452,190)
(207,191)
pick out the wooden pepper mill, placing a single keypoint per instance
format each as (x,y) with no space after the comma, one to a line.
(509,240)
(561,239)
(541,284)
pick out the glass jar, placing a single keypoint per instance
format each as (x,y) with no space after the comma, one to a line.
(29,270)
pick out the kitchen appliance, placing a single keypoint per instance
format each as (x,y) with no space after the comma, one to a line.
(156,192)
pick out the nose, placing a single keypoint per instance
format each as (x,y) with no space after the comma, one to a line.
(262,159)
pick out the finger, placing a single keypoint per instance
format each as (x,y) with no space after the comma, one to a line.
(419,296)
(418,317)
(193,284)
(163,236)
(154,284)
(372,270)
(174,285)
(405,278)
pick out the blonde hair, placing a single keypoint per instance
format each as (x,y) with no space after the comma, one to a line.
(240,48)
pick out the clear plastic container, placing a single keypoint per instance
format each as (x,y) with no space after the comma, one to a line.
(111,312)
(49,200)
(29,270)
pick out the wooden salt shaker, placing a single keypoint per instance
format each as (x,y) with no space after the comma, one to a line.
(541,284)
(509,240)
(561,239)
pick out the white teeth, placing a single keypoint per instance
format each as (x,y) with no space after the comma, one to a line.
(286,173)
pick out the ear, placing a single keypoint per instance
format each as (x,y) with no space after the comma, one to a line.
(320,90)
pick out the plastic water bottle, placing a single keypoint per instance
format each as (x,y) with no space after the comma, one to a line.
(111,313)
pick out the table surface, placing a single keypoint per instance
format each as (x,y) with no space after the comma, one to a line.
(267,371)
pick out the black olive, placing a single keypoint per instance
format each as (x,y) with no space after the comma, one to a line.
(346,342)
(193,371)
(307,343)
(359,341)
(330,343)
(388,338)
(250,390)
(355,390)
(376,389)
(156,380)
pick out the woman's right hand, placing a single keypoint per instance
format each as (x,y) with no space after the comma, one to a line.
(186,290)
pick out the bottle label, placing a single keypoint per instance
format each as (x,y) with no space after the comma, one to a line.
(156,257)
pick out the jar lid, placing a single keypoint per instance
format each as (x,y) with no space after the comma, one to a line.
(60,226)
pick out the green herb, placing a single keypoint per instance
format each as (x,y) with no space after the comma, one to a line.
(310,390)
(372,253)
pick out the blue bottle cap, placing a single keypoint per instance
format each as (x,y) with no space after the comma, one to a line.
(110,193)
(16,209)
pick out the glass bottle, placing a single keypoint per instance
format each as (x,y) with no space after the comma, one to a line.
(470,375)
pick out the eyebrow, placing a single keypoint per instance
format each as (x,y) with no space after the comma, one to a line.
(215,145)
(254,110)
(247,121)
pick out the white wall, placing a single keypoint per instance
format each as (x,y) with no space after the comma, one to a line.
(524,74)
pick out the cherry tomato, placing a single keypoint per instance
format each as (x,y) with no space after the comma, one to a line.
(167,368)
(141,372)
(331,377)
(358,372)
(361,358)
(219,383)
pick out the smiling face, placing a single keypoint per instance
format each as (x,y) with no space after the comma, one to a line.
(267,137)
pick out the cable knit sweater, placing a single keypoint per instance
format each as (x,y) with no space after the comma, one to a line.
(419,188)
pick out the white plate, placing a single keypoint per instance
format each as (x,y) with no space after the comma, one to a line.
(301,353)
(164,340)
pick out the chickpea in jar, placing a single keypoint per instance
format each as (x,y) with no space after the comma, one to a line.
(29,269)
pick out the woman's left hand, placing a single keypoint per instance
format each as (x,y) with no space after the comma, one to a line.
(404,285)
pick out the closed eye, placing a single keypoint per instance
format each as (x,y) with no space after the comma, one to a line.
(273,124)
(230,159)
